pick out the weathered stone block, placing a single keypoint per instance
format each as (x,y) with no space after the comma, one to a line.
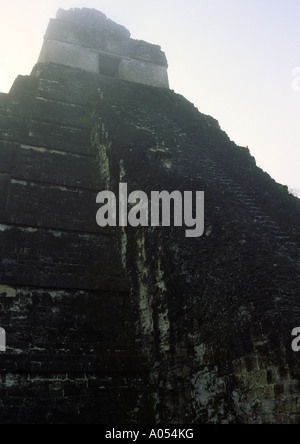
(50,258)
(61,168)
(8,156)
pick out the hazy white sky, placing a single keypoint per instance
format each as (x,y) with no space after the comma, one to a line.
(234,59)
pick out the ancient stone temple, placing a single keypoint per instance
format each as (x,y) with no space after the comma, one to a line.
(139,324)
(86,39)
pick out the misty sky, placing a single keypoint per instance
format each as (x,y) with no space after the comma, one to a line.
(234,59)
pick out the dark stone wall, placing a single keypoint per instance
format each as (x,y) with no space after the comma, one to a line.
(215,313)
(139,324)
(65,302)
